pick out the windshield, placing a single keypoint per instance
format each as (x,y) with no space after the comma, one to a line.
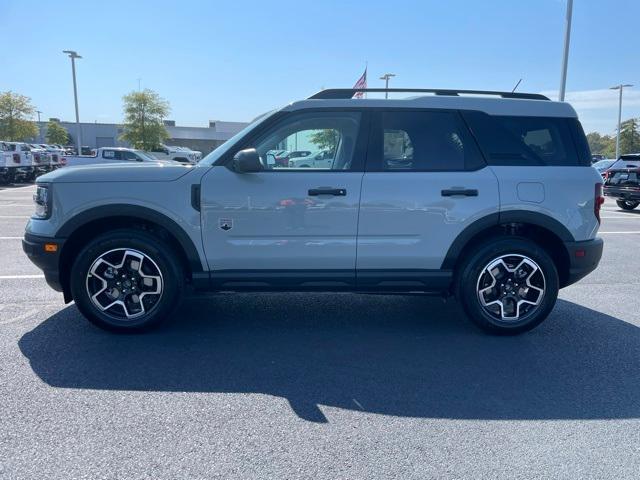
(226,146)
(146,156)
(604,163)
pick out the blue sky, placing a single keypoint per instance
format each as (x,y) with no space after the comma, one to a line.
(234,60)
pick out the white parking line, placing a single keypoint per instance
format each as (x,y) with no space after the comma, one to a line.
(16,205)
(18,277)
(637,231)
(15,216)
(621,218)
(10,238)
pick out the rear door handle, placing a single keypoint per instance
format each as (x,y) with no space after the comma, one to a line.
(338,192)
(465,192)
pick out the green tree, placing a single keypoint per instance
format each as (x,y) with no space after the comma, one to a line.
(15,111)
(602,144)
(143,114)
(326,139)
(56,133)
(630,136)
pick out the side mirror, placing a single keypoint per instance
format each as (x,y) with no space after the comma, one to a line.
(247,161)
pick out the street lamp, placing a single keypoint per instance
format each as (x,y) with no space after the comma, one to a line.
(619,87)
(73,55)
(39,126)
(386,78)
(565,55)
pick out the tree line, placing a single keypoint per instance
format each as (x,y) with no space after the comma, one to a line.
(143,125)
(606,144)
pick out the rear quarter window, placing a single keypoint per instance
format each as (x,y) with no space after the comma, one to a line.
(529,141)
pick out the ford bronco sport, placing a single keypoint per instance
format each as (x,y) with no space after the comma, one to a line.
(452,192)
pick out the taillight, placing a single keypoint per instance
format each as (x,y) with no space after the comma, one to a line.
(598,200)
(16,158)
(36,157)
(63,161)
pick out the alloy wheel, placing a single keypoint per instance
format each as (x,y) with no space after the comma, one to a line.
(510,287)
(124,283)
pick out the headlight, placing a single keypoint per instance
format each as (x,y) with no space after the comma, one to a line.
(42,199)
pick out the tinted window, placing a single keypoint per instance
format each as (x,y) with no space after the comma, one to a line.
(623,179)
(328,140)
(423,141)
(509,140)
(626,161)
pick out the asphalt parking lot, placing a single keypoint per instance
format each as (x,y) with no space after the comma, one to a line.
(322,385)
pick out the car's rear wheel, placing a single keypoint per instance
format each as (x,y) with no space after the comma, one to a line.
(126,280)
(508,285)
(627,205)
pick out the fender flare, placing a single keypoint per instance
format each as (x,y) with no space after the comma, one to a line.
(495,219)
(142,213)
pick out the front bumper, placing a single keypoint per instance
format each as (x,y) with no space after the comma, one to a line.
(632,194)
(583,259)
(23,173)
(47,261)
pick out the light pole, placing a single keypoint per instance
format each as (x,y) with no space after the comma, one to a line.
(619,87)
(39,126)
(565,55)
(386,78)
(73,55)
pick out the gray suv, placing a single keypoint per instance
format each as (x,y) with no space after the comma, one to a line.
(488,196)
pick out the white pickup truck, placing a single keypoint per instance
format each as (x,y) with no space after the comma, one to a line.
(24,164)
(109,155)
(177,154)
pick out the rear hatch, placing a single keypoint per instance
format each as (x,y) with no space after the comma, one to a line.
(623,177)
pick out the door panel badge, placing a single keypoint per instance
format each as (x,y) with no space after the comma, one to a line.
(225,224)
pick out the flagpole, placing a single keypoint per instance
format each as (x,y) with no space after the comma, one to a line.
(366,66)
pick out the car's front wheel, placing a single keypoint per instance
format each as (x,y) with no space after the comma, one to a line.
(627,205)
(126,280)
(508,285)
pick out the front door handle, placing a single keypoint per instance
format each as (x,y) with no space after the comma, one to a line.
(338,192)
(465,192)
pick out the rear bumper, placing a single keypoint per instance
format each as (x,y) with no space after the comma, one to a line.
(48,262)
(583,259)
(622,193)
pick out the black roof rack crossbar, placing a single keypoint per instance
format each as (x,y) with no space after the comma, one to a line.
(345,93)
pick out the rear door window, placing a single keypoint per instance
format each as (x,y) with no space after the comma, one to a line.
(422,141)
(520,141)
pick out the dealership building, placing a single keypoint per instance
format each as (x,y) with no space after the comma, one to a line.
(203,139)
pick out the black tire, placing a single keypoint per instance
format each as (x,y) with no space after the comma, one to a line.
(163,259)
(627,205)
(468,284)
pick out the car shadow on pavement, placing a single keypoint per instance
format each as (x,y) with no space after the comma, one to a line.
(393,355)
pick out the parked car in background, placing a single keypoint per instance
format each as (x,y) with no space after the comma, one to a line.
(41,159)
(177,154)
(56,155)
(6,162)
(110,155)
(623,181)
(321,159)
(596,157)
(603,165)
(22,162)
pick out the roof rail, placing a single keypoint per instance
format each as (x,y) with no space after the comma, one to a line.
(345,93)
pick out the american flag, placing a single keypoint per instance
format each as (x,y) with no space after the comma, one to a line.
(361,83)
